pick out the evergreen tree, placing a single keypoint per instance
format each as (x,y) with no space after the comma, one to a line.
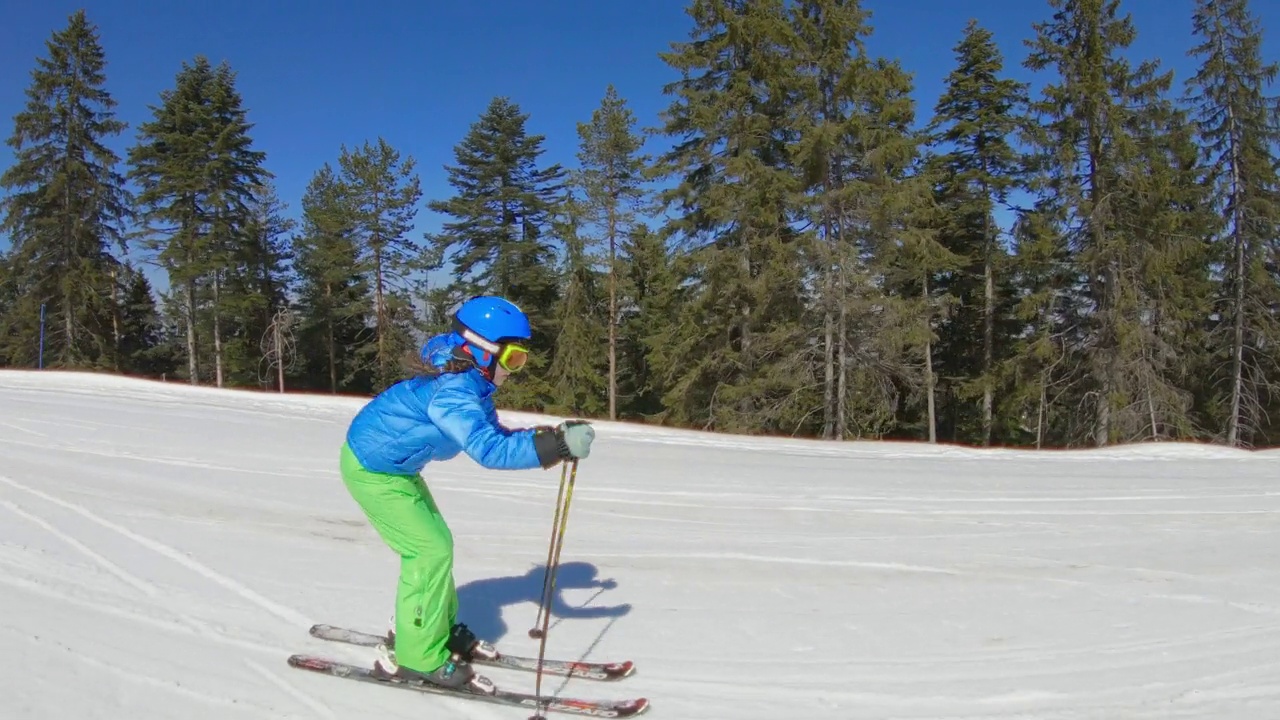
(198,173)
(577,381)
(142,348)
(731,353)
(1240,129)
(1089,143)
(975,119)
(380,192)
(854,153)
(499,240)
(917,265)
(611,184)
(333,293)
(67,207)
(1164,209)
(234,178)
(258,283)
(8,301)
(651,292)
(1039,377)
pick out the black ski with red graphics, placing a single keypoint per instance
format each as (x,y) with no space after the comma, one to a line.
(571,706)
(607,671)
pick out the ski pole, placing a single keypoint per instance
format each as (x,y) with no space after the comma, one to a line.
(544,602)
(550,584)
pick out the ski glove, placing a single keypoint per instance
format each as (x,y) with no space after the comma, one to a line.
(569,440)
(575,438)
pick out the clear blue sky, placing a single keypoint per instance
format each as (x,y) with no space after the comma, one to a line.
(319,73)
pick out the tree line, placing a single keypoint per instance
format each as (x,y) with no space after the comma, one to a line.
(811,254)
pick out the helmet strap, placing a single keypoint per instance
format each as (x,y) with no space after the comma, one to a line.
(490,347)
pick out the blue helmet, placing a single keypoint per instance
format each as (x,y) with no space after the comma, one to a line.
(493,318)
(485,323)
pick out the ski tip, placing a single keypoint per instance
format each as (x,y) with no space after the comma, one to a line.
(618,670)
(310,662)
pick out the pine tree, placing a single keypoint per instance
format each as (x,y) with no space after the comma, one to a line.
(333,292)
(67,206)
(1240,130)
(498,241)
(142,348)
(8,301)
(1038,372)
(611,184)
(651,291)
(198,173)
(234,178)
(975,119)
(731,353)
(1090,146)
(854,154)
(257,285)
(1164,209)
(577,383)
(917,263)
(380,191)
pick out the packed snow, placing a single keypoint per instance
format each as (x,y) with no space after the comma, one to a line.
(164,548)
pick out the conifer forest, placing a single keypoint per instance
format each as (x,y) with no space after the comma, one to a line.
(810,254)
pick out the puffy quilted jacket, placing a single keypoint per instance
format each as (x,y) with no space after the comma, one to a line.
(423,419)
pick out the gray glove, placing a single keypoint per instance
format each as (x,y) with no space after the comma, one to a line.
(575,439)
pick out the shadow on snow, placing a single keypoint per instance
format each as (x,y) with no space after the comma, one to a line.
(480,602)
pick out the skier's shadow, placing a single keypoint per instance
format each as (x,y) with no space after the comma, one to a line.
(480,602)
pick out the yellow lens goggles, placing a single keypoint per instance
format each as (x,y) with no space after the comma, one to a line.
(513,357)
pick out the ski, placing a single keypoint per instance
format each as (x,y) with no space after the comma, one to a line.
(572,706)
(607,671)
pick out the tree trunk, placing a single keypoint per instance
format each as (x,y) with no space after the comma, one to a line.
(747,406)
(380,312)
(988,336)
(279,349)
(928,362)
(1105,377)
(69,355)
(217,328)
(1042,410)
(842,362)
(1152,416)
(829,395)
(331,342)
(192,367)
(829,380)
(613,313)
(115,319)
(1105,343)
(1238,319)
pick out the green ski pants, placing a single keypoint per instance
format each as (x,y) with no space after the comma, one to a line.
(401,509)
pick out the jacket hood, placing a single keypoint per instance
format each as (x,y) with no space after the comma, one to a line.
(446,347)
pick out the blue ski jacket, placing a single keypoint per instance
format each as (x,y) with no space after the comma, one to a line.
(435,417)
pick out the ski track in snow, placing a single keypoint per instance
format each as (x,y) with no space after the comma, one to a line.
(164,548)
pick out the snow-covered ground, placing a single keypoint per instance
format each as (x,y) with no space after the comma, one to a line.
(164,548)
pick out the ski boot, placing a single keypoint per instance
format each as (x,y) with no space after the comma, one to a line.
(462,642)
(455,673)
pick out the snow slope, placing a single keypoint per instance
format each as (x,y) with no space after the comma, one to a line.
(163,549)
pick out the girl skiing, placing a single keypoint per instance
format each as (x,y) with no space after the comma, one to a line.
(441,412)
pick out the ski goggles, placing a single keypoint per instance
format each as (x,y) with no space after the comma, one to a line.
(513,356)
